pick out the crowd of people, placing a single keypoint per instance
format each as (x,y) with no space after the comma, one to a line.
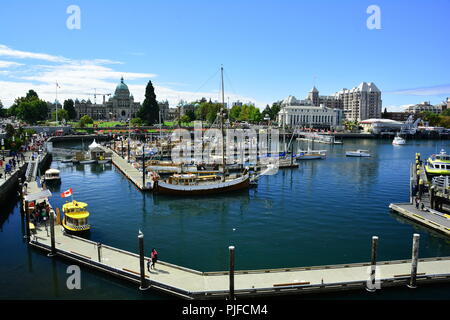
(15,159)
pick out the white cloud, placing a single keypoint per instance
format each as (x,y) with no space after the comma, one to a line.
(81,78)
(400,108)
(424,91)
(7,64)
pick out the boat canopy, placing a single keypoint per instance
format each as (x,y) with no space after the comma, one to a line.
(52,171)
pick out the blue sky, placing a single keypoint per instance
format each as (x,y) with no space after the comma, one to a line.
(269,49)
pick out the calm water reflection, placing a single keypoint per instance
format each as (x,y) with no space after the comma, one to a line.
(324,212)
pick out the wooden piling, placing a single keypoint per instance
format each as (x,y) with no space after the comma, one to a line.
(143,285)
(143,165)
(52,235)
(27,222)
(414,261)
(373,265)
(231,273)
(99,251)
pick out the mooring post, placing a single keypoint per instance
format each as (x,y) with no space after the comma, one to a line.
(373,265)
(128,150)
(52,235)
(143,285)
(27,222)
(414,261)
(231,249)
(143,166)
(99,251)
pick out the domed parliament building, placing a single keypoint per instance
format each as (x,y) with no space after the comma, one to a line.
(120,106)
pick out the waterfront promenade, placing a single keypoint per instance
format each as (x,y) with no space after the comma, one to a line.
(191,284)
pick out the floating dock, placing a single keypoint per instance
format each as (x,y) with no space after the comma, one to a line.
(133,174)
(191,284)
(434,197)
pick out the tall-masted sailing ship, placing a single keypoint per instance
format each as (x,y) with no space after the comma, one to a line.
(201,184)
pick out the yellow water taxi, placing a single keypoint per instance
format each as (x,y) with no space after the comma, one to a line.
(75,217)
(438,164)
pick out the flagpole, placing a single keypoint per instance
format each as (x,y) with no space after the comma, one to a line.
(56,102)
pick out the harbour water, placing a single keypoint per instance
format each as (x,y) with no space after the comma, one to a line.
(324,212)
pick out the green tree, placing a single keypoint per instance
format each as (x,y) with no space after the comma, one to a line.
(10,132)
(136,122)
(432,118)
(29,108)
(191,115)
(62,114)
(70,107)
(149,111)
(2,110)
(84,120)
(235,111)
(185,119)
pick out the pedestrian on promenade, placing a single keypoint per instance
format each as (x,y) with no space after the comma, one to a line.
(149,263)
(154,257)
(417,202)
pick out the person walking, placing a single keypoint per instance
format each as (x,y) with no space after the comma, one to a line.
(154,258)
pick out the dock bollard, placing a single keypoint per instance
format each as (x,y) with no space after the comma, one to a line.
(27,222)
(52,235)
(373,265)
(143,285)
(414,261)
(99,251)
(231,249)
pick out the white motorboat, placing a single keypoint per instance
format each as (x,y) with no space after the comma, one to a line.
(358,153)
(52,175)
(398,141)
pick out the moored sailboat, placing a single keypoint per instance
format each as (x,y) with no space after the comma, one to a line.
(198,184)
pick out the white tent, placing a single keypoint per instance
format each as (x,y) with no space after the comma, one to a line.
(94,145)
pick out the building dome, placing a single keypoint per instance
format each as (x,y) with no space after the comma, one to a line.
(122,89)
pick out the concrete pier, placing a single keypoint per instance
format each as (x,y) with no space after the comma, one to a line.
(191,284)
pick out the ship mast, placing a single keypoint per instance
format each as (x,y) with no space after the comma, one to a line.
(222,115)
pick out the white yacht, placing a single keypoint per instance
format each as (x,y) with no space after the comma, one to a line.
(398,141)
(358,153)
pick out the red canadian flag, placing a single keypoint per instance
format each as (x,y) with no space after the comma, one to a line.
(66,193)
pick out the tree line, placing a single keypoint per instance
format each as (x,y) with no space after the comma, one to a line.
(32,109)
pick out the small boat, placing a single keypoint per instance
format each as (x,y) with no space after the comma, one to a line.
(75,217)
(67,161)
(358,153)
(398,141)
(87,161)
(438,164)
(311,154)
(52,176)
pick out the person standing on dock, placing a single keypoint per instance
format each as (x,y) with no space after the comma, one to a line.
(417,202)
(154,258)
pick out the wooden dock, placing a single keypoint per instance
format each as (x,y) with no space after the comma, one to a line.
(434,199)
(133,174)
(428,217)
(191,284)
